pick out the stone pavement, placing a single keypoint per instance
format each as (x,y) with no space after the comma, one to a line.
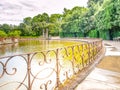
(106,76)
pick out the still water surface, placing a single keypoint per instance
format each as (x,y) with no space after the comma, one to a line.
(27,46)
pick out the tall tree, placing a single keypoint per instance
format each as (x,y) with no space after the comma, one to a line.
(72,20)
(55,24)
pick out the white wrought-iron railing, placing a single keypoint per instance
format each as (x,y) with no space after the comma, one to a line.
(46,70)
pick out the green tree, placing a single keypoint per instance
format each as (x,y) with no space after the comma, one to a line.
(72,21)
(40,23)
(6,28)
(108,18)
(27,20)
(55,22)
(2,34)
(14,34)
(26,30)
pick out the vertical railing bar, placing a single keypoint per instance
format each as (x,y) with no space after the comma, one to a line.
(89,52)
(57,71)
(29,70)
(93,50)
(82,56)
(73,57)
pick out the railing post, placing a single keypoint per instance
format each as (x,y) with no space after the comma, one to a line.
(89,52)
(96,47)
(82,56)
(57,72)
(73,59)
(93,50)
(28,71)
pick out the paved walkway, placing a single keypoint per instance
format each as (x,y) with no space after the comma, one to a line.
(106,76)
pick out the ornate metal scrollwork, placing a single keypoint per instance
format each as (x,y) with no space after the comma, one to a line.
(49,68)
(11,70)
(45,85)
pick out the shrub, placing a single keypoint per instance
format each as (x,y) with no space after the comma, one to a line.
(2,34)
(14,34)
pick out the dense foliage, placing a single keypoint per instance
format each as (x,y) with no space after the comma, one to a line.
(106,18)
(2,34)
(101,19)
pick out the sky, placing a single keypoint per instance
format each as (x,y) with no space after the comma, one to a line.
(13,11)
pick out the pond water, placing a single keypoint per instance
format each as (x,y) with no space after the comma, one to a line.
(26,46)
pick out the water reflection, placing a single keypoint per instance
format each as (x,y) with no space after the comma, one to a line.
(8,49)
(26,46)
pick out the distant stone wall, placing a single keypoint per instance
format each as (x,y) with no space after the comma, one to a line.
(8,41)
